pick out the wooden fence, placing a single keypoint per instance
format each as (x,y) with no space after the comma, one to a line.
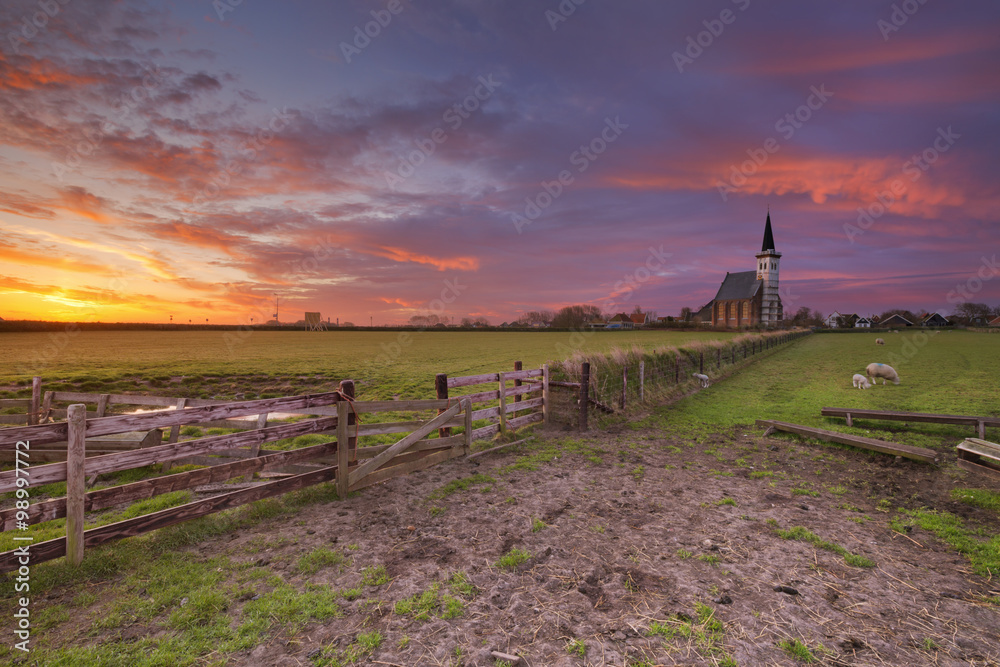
(517,399)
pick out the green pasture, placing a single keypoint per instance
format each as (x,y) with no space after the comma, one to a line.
(953,372)
(384,363)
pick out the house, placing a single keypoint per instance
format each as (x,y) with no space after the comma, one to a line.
(934,320)
(832,320)
(598,323)
(895,320)
(621,321)
(995,322)
(862,323)
(750,298)
(639,319)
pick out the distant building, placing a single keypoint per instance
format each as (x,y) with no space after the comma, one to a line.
(621,321)
(995,322)
(934,320)
(895,320)
(862,323)
(749,298)
(833,320)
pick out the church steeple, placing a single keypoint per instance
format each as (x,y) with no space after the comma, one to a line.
(768,236)
(767,272)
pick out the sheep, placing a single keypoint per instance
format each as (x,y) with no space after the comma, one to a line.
(703,378)
(883,371)
(879,341)
(861,382)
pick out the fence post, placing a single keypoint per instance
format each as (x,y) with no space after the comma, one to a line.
(624,384)
(102,404)
(342,449)
(718,358)
(677,370)
(441,388)
(642,380)
(517,383)
(503,403)
(546,405)
(701,362)
(347,389)
(76,483)
(584,394)
(36,401)
(467,440)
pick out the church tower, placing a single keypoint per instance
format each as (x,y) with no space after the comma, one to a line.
(767,272)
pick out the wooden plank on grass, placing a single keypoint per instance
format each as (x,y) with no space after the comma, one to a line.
(518,422)
(148,488)
(44,551)
(967,420)
(56,472)
(915,453)
(401,446)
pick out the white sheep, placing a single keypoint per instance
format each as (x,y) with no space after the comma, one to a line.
(703,378)
(879,341)
(861,382)
(882,371)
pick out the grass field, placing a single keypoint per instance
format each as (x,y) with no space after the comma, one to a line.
(383,363)
(953,372)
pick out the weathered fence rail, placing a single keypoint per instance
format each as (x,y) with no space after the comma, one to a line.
(353,465)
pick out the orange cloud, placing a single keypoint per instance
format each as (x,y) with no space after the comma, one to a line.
(441,264)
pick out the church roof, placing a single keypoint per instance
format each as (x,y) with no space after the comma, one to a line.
(742,285)
(768,236)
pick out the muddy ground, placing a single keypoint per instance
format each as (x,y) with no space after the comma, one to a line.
(642,549)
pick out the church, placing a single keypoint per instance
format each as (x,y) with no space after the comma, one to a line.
(749,298)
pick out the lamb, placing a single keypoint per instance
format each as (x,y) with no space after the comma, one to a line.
(879,341)
(861,382)
(703,378)
(883,371)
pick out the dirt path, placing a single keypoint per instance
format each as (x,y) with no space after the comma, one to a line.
(639,550)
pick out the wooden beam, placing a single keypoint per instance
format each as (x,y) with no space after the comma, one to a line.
(76,482)
(56,472)
(915,453)
(546,395)
(468,380)
(967,420)
(143,422)
(401,446)
(50,549)
(35,407)
(503,402)
(343,453)
(467,433)
(425,461)
(103,498)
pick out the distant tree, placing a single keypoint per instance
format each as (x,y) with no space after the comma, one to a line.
(686,314)
(347,324)
(969,311)
(534,316)
(575,316)
(816,319)
(481,322)
(466,322)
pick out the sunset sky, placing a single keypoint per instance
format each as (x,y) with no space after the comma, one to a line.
(473,158)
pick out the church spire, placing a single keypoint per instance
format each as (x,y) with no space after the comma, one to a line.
(768,236)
